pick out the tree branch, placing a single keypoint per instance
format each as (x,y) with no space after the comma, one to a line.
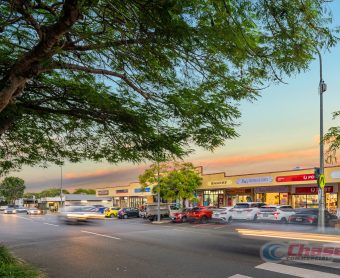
(100,71)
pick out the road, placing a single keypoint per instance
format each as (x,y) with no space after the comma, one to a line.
(137,248)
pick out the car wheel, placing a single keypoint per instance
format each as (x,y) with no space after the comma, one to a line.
(125,216)
(230,219)
(204,220)
(283,220)
(112,215)
(184,219)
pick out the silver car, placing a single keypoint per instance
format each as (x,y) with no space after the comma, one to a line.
(74,214)
(34,211)
(10,210)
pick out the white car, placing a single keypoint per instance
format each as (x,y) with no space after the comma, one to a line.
(73,214)
(34,211)
(223,215)
(246,211)
(275,213)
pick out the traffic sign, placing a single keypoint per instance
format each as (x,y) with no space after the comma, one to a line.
(322,181)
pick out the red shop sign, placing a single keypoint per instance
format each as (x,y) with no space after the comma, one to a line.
(306,177)
(312,190)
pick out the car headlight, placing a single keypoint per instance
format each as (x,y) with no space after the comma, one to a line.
(5,211)
(14,211)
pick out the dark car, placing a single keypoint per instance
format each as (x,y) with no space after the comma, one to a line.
(310,217)
(128,212)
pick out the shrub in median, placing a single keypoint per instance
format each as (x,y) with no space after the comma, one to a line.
(11,267)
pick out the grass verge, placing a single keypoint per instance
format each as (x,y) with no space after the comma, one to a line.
(12,267)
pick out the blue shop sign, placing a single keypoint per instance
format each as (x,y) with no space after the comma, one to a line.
(139,190)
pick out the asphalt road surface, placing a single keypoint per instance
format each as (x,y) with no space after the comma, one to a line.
(137,248)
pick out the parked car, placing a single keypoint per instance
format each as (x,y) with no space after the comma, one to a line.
(125,213)
(246,211)
(74,214)
(273,213)
(310,217)
(10,210)
(34,211)
(111,212)
(200,214)
(222,215)
(180,216)
(2,208)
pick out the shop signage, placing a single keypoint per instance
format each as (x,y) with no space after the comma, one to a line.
(335,175)
(239,191)
(256,180)
(139,190)
(312,190)
(305,177)
(120,191)
(103,192)
(271,189)
(220,183)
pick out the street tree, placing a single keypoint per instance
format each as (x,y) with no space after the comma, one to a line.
(52,192)
(332,138)
(12,188)
(123,80)
(84,191)
(177,181)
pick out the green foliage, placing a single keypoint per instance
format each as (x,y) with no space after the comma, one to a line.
(178,181)
(332,139)
(12,188)
(84,191)
(131,79)
(11,267)
(51,192)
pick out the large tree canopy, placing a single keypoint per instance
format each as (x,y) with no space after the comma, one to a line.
(12,188)
(126,79)
(332,138)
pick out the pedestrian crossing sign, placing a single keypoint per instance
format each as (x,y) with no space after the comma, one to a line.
(322,181)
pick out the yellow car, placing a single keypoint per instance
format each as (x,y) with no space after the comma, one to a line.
(112,212)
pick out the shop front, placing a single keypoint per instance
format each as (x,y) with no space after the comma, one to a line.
(213,198)
(274,195)
(307,197)
(238,195)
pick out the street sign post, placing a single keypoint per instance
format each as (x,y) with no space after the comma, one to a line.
(322,181)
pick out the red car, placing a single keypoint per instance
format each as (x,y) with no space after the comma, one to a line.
(200,214)
(180,217)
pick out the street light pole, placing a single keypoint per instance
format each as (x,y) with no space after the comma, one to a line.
(158,193)
(61,185)
(321,192)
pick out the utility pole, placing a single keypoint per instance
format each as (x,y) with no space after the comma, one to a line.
(158,193)
(61,186)
(321,191)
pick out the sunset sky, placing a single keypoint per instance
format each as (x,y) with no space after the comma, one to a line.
(280,131)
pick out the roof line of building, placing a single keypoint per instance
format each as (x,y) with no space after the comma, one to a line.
(227,176)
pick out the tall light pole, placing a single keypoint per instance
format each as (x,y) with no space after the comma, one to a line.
(158,193)
(321,192)
(61,185)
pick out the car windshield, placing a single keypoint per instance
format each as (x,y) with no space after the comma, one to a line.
(242,205)
(307,211)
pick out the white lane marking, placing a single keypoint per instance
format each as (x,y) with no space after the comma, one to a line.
(87,232)
(295,271)
(329,264)
(216,228)
(51,224)
(239,276)
(24,218)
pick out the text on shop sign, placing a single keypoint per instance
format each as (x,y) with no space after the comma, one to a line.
(312,190)
(306,177)
(255,180)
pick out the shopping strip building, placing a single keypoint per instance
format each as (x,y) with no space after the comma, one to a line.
(296,187)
